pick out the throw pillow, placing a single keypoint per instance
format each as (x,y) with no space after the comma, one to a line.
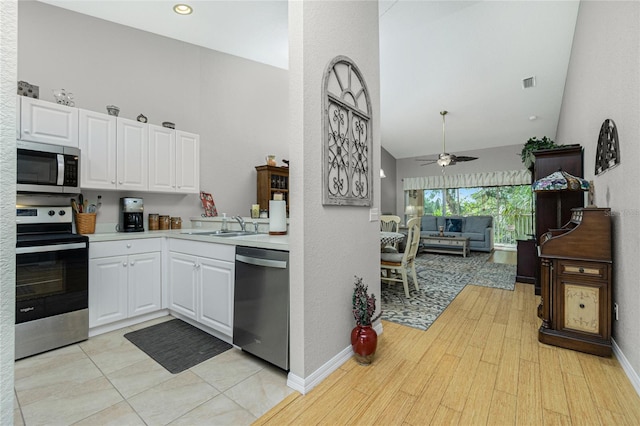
(453,225)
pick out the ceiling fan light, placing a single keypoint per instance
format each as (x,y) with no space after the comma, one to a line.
(444,161)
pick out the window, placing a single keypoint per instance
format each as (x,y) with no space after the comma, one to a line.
(510,206)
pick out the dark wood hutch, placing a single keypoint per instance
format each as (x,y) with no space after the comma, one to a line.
(552,209)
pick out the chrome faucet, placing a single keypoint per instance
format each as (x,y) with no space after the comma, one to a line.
(240,221)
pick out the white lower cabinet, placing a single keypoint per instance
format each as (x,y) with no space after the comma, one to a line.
(183,279)
(125,279)
(201,287)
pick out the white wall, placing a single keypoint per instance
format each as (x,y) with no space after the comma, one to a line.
(237,106)
(329,244)
(604,82)
(388,184)
(8,66)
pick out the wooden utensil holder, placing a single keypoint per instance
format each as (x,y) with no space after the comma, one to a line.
(85,223)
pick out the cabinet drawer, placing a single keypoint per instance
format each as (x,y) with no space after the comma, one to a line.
(592,270)
(124,247)
(210,250)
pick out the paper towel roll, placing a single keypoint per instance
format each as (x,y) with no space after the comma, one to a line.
(277,217)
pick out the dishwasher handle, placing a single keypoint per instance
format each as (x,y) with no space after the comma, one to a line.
(280,264)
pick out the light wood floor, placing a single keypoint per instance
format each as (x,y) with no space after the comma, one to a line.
(504,256)
(480,363)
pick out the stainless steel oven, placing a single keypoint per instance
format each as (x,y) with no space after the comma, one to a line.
(47,168)
(52,281)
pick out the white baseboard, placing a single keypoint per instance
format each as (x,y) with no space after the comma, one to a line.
(304,385)
(626,366)
(96,331)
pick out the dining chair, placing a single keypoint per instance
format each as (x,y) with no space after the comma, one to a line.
(393,263)
(390,223)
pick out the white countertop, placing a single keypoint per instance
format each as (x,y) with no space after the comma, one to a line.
(275,242)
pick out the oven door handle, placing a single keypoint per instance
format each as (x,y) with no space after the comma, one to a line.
(53,247)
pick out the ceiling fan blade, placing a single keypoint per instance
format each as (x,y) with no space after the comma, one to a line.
(428,161)
(465,158)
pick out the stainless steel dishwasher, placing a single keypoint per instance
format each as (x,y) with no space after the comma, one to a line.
(261,304)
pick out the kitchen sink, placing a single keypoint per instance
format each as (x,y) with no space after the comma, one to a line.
(232,234)
(223,233)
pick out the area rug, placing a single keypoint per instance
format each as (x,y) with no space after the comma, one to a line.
(440,278)
(176,345)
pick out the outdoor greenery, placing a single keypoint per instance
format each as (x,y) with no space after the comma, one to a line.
(510,206)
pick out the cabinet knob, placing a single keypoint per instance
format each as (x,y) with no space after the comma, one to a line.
(582,306)
(128,245)
(124,263)
(120,182)
(581,270)
(113,181)
(132,263)
(26,131)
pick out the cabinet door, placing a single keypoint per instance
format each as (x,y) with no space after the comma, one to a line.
(216,294)
(132,154)
(182,284)
(98,150)
(187,162)
(107,290)
(48,122)
(145,283)
(162,159)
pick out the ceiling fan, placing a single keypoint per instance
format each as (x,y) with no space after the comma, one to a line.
(445,159)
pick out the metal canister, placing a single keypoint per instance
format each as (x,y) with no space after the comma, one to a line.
(153,221)
(176,223)
(163,222)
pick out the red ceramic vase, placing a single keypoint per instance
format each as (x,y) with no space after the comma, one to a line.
(364,340)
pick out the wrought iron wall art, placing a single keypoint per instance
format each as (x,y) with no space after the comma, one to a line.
(346,169)
(608,150)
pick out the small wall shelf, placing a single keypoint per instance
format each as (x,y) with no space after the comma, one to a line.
(272,180)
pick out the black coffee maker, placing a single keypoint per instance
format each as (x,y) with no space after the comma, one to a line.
(131,215)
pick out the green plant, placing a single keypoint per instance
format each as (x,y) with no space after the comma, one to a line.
(534,144)
(364,305)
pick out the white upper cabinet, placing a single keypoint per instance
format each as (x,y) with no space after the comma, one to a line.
(48,122)
(132,155)
(174,160)
(98,150)
(162,159)
(187,162)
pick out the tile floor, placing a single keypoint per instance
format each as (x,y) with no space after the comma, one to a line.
(108,380)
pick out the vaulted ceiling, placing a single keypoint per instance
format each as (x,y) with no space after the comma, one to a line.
(466,57)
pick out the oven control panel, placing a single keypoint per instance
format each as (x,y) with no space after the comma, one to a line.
(57,214)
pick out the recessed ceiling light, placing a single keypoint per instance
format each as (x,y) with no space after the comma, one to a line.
(182,9)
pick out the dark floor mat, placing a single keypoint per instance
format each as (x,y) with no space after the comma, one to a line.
(177,345)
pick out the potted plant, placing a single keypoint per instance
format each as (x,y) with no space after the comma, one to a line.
(534,144)
(364,338)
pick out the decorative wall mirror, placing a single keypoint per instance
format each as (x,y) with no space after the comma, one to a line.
(608,150)
(346,168)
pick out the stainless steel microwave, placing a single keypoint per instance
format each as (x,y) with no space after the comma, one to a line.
(47,168)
